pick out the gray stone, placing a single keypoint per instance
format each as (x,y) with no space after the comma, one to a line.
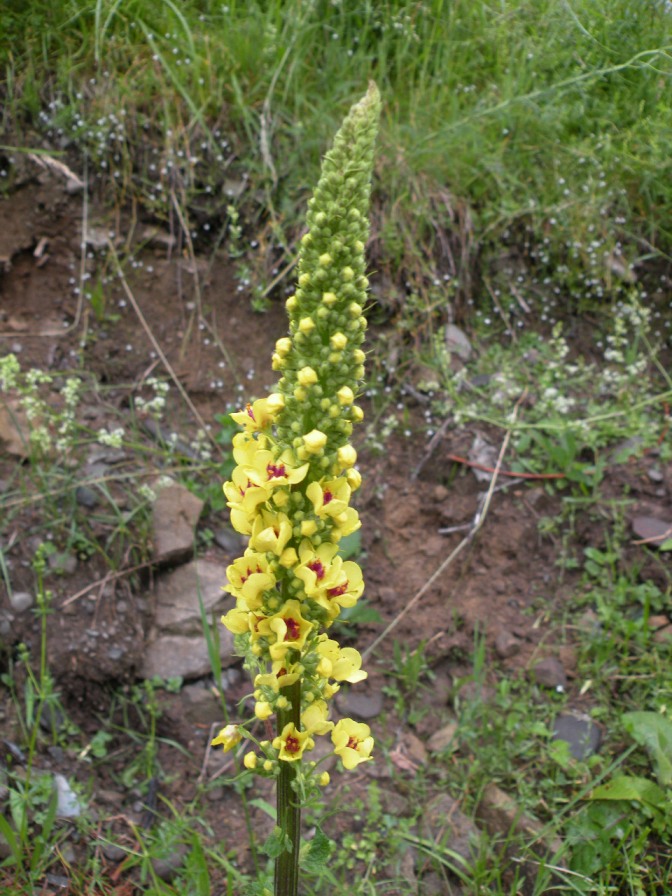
(443,738)
(655,475)
(167,867)
(20,601)
(580,732)
(175,514)
(229,541)
(176,655)
(445,824)
(67,802)
(201,707)
(86,496)
(177,597)
(651,529)
(360,705)
(457,342)
(114,853)
(506,645)
(550,673)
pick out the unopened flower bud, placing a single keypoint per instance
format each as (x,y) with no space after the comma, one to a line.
(306,376)
(345,395)
(315,441)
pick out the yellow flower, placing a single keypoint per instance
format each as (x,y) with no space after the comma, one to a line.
(291,743)
(329,498)
(340,663)
(264,469)
(237,620)
(314,718)
(243,498)
(281,676)
(316,570)
(228,738)
(249,577)
(286,630)
(270,532)
(352,742)
(260,414)
(250,760)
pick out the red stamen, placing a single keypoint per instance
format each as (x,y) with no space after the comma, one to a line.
(317,568)
(250,412)
(292,744)
(338,590)
(352,743)
(293,629)
(327,497)
(275,472)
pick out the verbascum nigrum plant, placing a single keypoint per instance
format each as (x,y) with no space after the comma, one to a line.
(290,495)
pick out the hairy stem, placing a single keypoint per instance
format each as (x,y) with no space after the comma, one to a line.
(289,809)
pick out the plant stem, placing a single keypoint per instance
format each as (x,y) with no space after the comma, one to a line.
(289,809)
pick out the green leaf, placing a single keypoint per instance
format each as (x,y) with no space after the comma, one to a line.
(631,787)
(666,545)
(276,843)
(654,733)
(315,855)
(351,545)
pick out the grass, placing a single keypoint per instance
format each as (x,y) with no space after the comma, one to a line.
(523,188)
(541,123)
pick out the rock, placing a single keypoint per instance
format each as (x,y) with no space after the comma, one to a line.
(14,431)
(500,815)
(187,657)
(443,738)
(86,497)
(67,802)
(178,592)
(661,628)
(457,342)
(175,514)
(580,732)
(444,823)
(550,673)
(652,530)
(167,867)
(357,704)
(113,853)
(20,601)
(201,707)
(482,454)
(230,541)
(414,748)
(655,475)
(506,645)
(177,645)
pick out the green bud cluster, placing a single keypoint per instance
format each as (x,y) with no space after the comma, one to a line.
(322,362)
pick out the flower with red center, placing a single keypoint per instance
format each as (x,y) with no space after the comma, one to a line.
(316,567)
(261,414)
(244,498)
(329,497)
(286,630)
(291,743)
(352,742)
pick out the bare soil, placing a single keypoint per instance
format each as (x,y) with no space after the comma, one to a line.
(505,583)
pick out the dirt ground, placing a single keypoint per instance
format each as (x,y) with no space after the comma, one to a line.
(504,584)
